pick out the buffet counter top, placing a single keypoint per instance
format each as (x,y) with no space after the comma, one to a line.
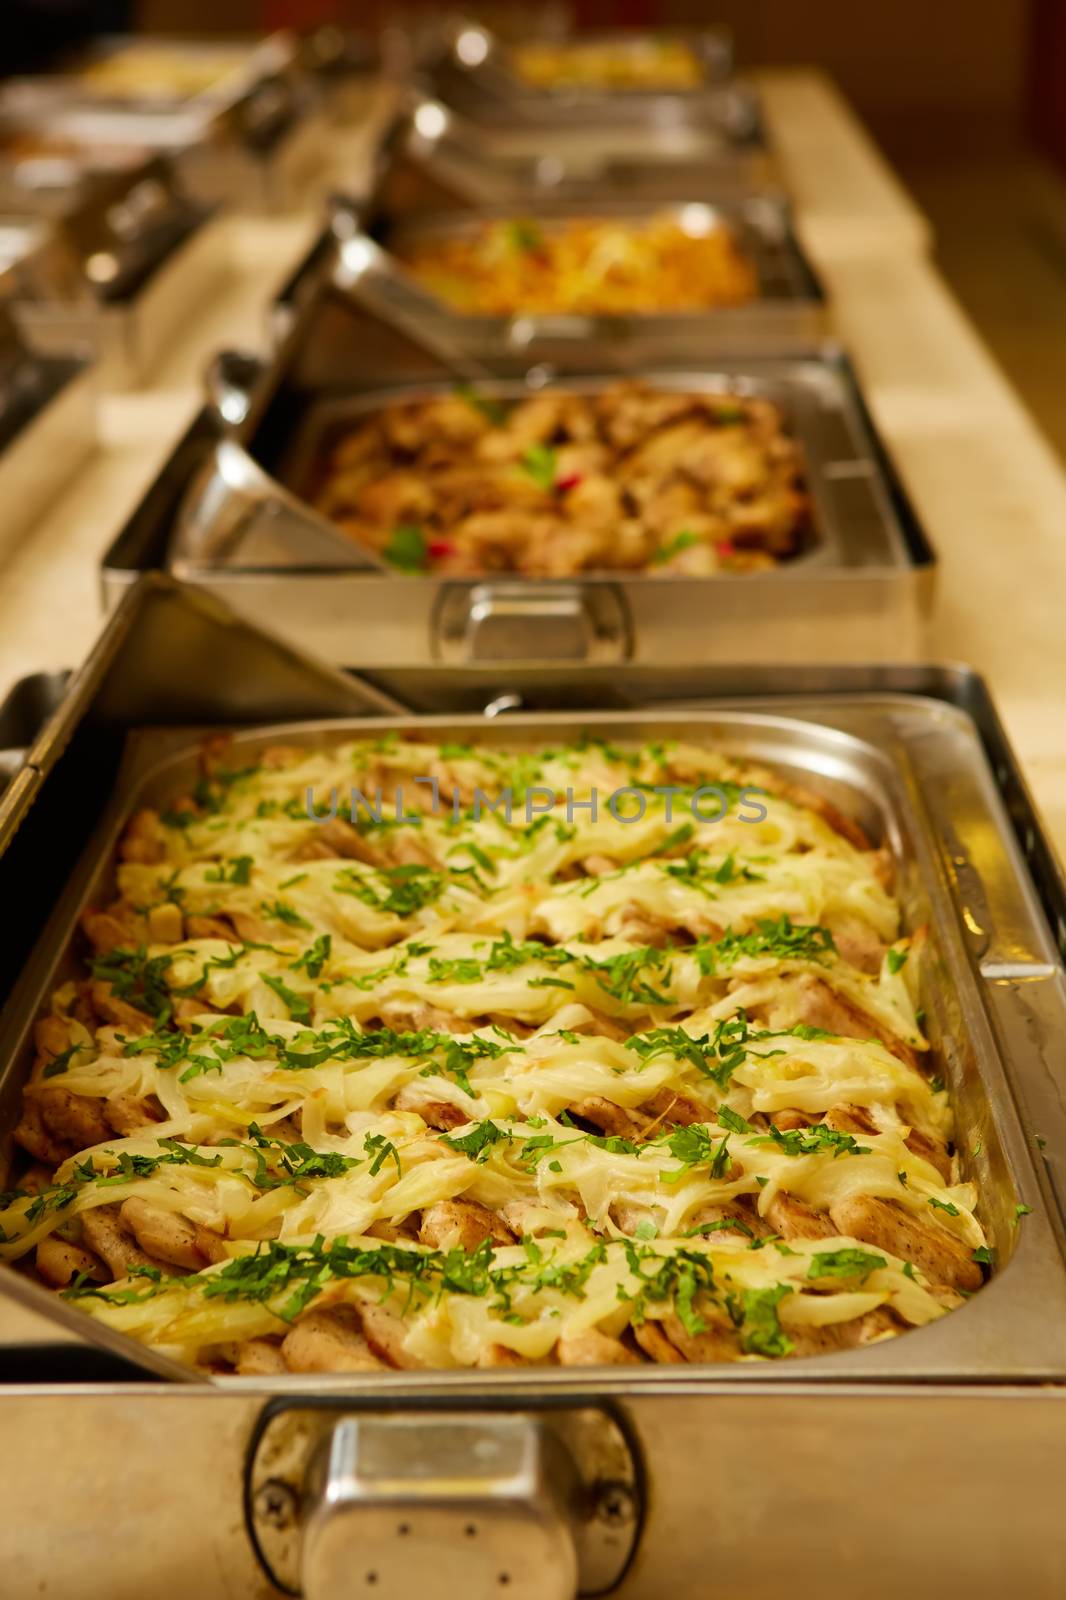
(986,484)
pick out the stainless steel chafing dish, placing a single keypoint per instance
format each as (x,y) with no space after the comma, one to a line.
(438,156)
(469,67)
(47,426)
(355,256)
(226,512)
(584,1479)
(116,272)
(252,140)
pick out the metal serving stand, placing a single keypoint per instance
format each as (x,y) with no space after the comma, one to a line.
(253,141)
(229,510)
(446,156)
(116,272)
(561,1481)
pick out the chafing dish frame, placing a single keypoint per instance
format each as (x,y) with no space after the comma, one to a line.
(435,154)
(243,534)
(117,272)
(789,312)
(255,150)
(794,1449)
(468,65)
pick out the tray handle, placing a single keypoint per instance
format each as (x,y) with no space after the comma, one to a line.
(531,621)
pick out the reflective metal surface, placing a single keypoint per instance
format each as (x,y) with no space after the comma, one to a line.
(231,512)
(433,155)
(894,771)
(870,1483)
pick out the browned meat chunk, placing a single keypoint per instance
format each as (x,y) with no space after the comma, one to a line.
(104,1233)
(887,1226)
(384,1332)
(794,1219)
(655,1345)
(329,1340)
(461,1224)
(593,1349)
(76,1119)
(168,1236)
(58,1262)
(260,1358)
(605,1117)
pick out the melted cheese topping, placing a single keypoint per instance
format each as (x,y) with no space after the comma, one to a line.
(471,1088)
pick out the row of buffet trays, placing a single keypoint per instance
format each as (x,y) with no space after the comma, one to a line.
(513,240)
(447,305)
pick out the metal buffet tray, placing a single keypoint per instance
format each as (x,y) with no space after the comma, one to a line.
(437,156)
(646,1478)
(226,513)
(116,273)
(47,426)
(236,65)
(355,253)
(470,68)
(254,144)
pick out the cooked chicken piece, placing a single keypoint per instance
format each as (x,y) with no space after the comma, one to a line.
(144,839)
(32,1135)
(593,1349)
(168,1236)
(58,1262)
(857,942)
(260,1358)
(329,1340)
(941,1256)
(404,1017)
(498,1355)
(461,1224)
(605,1117)
(599,1026)
(104,1233)
(400,498)
(35,1178)
(857,1120)
(395,1230)
(253,929)
(811,1001)
(813,1340)
(930,1149)
(111,1008)
(630,411)
(450,419)
(435,1113)
(116,929)
(640,927)
(384,1332)
(655,1345)
(217,927)
(717,1342)
(847,1119)
(342,839)
(76,1119)
(748,1223)
(406,849)
(670,1109)
(128,1112)
(794,1219)
(787,1120)
(165,925)
(597,866)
